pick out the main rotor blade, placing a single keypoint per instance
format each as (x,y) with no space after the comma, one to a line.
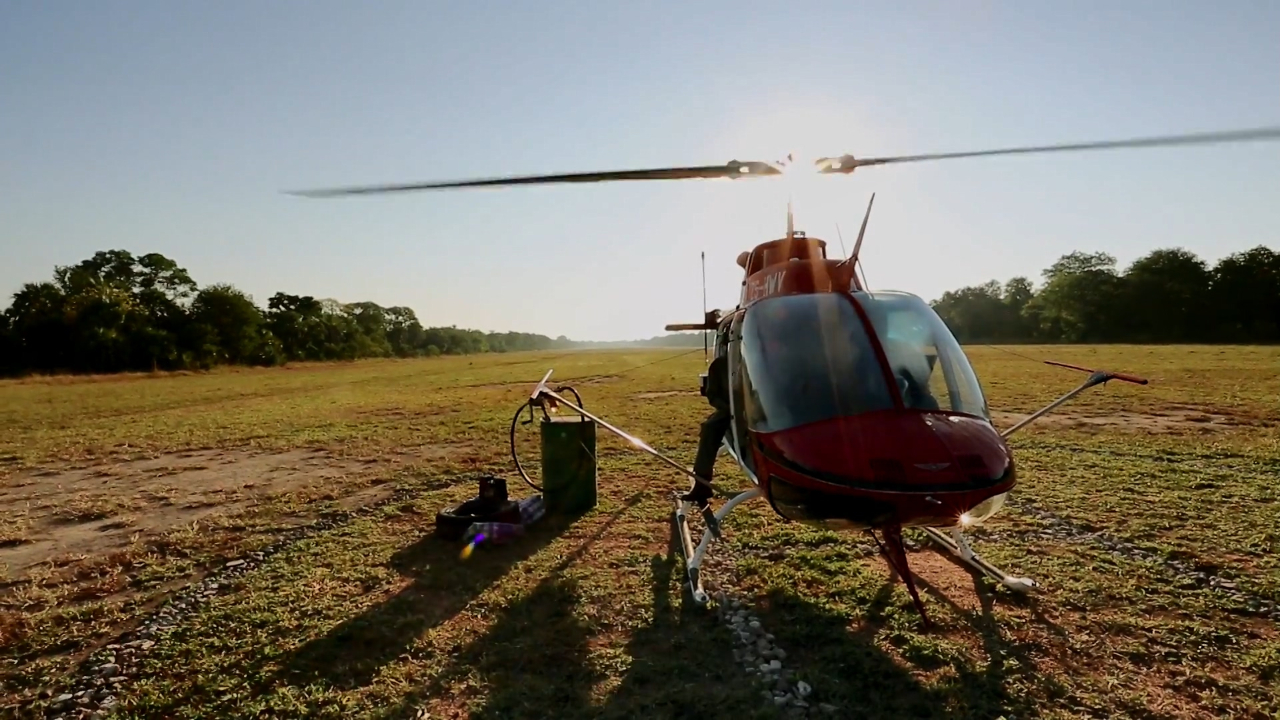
(732,170)
(848,163)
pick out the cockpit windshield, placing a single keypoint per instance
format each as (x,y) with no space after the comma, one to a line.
(918,344)
(808,358)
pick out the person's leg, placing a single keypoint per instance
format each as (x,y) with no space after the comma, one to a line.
(709,438)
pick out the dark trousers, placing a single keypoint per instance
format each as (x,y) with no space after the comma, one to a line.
(709,437)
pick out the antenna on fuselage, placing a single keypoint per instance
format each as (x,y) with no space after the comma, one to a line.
(862,232)
(791,222)
(857,245)
(704,304)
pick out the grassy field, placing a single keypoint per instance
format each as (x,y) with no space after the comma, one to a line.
(1150,515)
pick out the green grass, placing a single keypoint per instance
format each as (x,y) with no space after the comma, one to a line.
(375,618)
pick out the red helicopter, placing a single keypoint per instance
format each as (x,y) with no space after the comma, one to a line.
(850,409)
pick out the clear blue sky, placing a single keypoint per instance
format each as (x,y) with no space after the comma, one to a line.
(174,126)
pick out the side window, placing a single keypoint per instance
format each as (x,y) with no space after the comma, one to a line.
(927,362)
(913,356)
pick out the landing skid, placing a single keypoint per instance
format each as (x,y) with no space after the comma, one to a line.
(693,556)
(895,552)
(959,549)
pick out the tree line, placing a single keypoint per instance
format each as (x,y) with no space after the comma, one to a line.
(118,312)
(1166,296)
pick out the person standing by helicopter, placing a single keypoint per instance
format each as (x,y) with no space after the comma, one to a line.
(712,430)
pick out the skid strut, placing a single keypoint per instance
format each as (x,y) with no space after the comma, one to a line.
(895,552)
(960,550)
(544,397)
(693,556)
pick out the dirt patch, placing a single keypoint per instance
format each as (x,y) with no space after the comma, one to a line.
(665,393)
(367,496)
(597,380)
(401,415)
(1174,420)
(76,514)
(947,581)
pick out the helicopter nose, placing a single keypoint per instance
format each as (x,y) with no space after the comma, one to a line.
(978,451)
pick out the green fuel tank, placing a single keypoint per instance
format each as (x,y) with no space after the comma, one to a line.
(568,464)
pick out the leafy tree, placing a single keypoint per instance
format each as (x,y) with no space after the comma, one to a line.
(9,361)
(297,322)
(371,325)
(403,331)
(976,312)
(1245,296)
(1018,294)
(40,331)
(1169,295)
(1166,298)
(1078,299)
(237,330)
(109,328)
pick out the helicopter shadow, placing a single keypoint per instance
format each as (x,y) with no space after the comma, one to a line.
(984,693)
(440,586)
(847,668)
(682,664)
(543,655)
(541,660)
(869,666)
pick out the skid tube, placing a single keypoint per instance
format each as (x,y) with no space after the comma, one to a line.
(693,556)
(959,548)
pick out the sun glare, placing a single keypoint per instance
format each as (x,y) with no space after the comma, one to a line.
(805,129)
(793,133)
(739,214)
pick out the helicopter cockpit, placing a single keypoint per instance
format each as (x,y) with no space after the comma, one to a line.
(842,393)
(811,357)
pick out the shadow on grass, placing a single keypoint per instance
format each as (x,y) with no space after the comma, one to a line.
(985,692)
(682,664)
(540,661)
(850,669)
(847,668)
(441,586)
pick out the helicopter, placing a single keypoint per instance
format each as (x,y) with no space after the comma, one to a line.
(850,409)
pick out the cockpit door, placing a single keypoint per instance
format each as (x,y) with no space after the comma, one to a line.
(926,360)
(738,428)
